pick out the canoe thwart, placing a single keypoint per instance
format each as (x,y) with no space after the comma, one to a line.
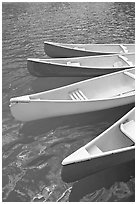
(124,48)
(77,95)
(128,129)
(125,59)
(130,75)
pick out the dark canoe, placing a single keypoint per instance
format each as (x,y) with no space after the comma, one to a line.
(57,50)
(76,171)
(40,69)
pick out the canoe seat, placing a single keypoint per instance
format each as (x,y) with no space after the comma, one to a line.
(128,129)
(124,48)
(77,95)
(94,150)
(77,64)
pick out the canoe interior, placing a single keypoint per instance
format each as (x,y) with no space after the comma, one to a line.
(107,86)
(116,48)
(113,139)
(113,61)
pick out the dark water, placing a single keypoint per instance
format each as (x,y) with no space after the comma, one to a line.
(33,151)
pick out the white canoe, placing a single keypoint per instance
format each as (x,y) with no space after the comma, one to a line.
(53,49)
(114,146)
(81,66)
(104,92)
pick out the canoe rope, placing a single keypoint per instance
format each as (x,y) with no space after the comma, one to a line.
(77,95)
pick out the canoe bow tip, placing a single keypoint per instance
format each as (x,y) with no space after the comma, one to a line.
(47,42)
(20,99)
(29,59)
(65,162)
(78,156)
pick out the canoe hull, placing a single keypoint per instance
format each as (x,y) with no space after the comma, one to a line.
(35,110)
(77,171)
(55,51)
(58,50)
(42,69)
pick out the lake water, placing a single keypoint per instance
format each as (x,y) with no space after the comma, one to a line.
(33,151)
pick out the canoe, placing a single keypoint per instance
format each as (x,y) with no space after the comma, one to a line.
(114,146)
(82,66)
(99,93)
(53,49)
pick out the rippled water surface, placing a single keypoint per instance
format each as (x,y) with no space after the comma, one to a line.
(33,151)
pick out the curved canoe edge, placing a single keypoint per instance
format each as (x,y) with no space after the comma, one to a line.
(33,67)
(36,109)
(57,51)
(43,69)
(76,171)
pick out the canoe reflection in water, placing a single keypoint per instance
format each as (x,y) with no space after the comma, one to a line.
(107,184)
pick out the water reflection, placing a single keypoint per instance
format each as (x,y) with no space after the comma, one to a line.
(102,181)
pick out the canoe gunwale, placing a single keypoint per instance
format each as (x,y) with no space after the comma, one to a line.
(65,50)
(55,43)
(84,57)
(63,45)
(57,68)
(70,101)
(79,67)
(103,154)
